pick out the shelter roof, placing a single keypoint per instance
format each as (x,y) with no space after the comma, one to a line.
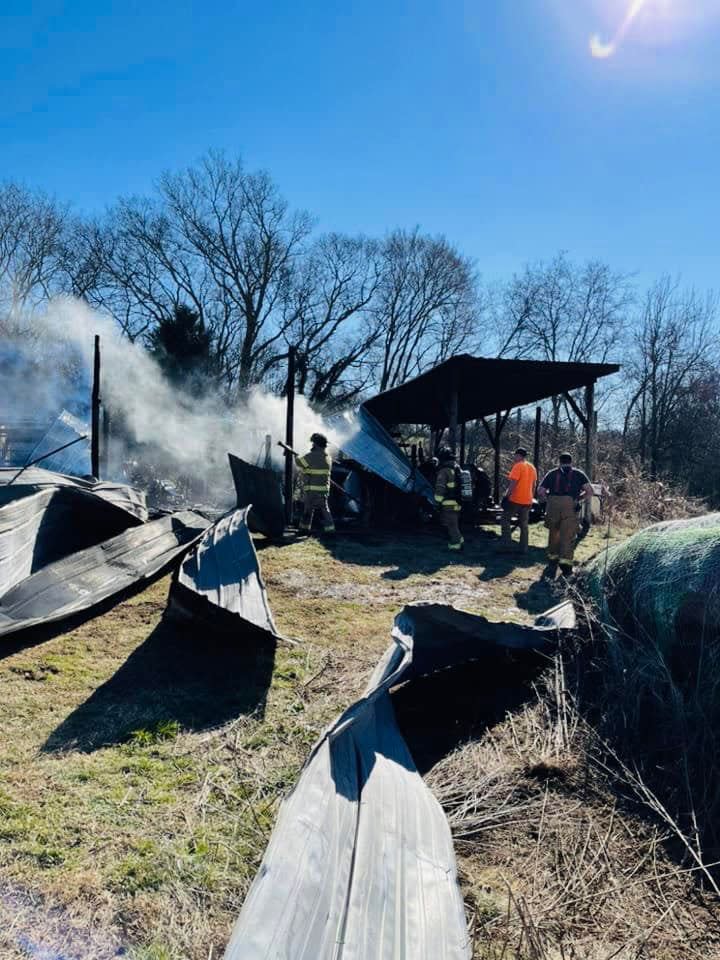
(484,385)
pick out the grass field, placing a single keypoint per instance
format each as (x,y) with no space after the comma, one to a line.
(142,761)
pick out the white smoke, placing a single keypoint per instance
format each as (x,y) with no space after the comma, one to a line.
(186,433)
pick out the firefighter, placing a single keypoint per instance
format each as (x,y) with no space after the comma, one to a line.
(447,498)
(563,487)
(316,467)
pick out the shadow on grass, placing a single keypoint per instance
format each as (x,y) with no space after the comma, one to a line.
(439,712)
(184,672)
(502,564)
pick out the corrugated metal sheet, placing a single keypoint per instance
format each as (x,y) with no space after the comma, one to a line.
(261,488)
(223,571)
(361,862)
(83,579)
(52,523)
(74,461)
(368,443)
(125,498)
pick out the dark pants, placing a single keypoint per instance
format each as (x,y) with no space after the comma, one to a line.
(311,503)
(522,513)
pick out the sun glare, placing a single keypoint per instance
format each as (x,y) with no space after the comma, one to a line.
(602,50)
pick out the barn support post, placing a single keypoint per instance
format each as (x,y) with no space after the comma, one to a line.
(105,448)
(289,435)
(453,420)
(590,429)
(268,451)
(536,448)
(95,422)
(496,475)
(462,444)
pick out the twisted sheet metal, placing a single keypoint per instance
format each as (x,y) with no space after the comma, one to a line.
(361,864)
(74,460)
(368,443)
(223,572)
(51,523)
(80,581)
(120,495)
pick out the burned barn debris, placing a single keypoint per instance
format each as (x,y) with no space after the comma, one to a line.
(84,579)
(361,854)
(259,487)
(219,580)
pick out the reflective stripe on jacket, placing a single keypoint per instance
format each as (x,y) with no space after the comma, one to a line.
(446,492)
(316,467)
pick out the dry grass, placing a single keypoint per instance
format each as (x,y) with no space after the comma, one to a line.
(561,854)
(142,765)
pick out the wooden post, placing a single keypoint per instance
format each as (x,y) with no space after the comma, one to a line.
(498,431)
(289,436)
(590,429)
(462,444)
(95,422)
(536,451)
(105,449)
(268,451)
(519,428)
(453,420)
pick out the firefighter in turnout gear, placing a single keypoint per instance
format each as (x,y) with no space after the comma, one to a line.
(563,488)
(447,498)
(316,466)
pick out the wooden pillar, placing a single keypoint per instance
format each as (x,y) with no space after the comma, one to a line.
(519,428)
(268,451)
(95,422)
(462,444)
(536,450)
(105,448)
(590,429)
(289,435)
(498,431)
(453,420)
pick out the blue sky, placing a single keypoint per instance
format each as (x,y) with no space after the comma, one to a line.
(487,121)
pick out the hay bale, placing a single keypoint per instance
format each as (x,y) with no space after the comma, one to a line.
(662,585)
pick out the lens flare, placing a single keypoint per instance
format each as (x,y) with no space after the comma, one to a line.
(600,50)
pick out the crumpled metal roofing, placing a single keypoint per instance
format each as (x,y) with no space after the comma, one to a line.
(361,863)
(261,488)
(223,572)
(120,495)
(75,460)
(80,581)
(51,523)
(368,443)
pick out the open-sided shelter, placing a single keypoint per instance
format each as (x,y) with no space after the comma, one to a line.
(466,388)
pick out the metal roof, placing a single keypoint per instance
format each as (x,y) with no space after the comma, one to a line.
(484,385)
(361,861)
(368,443)
(83,579)
(73,461)
(223,572)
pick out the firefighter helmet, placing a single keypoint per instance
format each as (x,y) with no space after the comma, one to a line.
(446,455)
(319,439)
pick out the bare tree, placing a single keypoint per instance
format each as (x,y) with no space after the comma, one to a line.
(560,311)
(426,306)
(32,227)
(331,319)
(675,352)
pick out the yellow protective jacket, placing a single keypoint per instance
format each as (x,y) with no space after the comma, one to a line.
(316,467)
(446,492)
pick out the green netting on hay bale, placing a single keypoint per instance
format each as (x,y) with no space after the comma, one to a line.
(662,585)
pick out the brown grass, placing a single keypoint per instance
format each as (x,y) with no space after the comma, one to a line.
(142,765)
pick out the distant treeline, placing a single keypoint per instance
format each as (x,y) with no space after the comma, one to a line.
(217,275)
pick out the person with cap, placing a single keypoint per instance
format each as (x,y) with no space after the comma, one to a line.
(518,499)
(447,497)
(563,487)
(316,467)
